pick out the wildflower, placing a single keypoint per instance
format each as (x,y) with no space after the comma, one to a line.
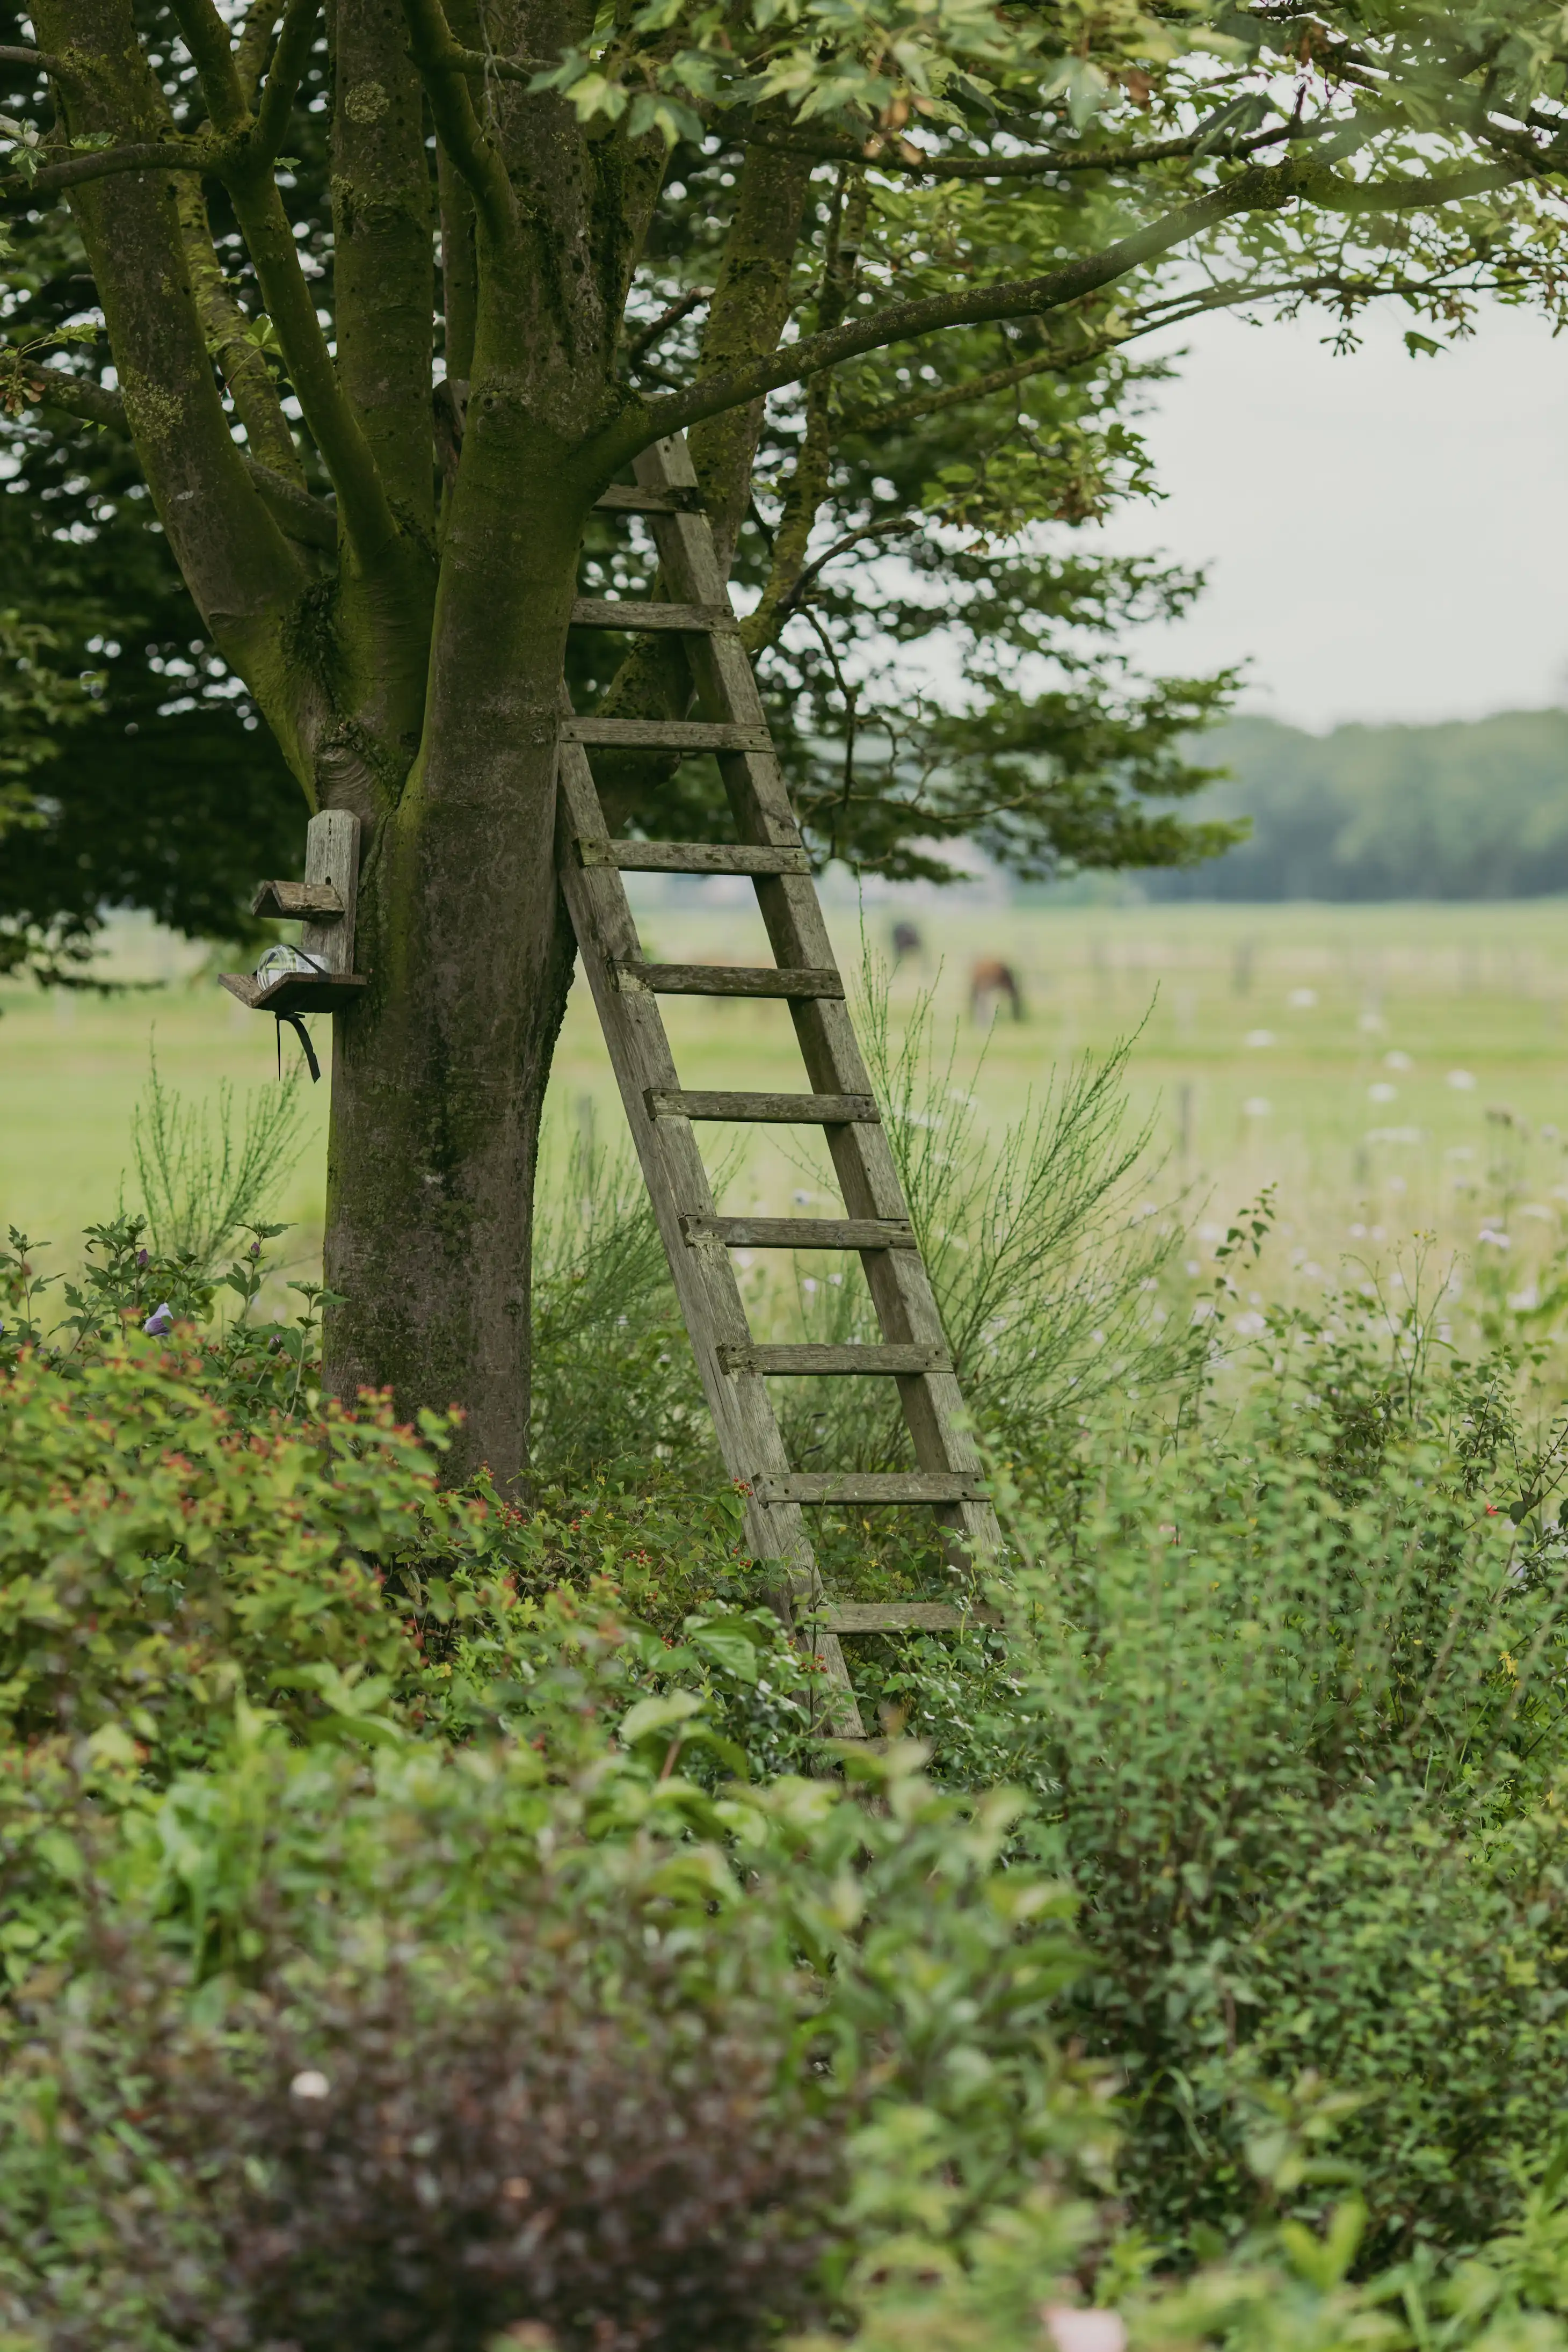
(254,1252)
(141,1257)
(1084,2331)
(1462,1081)
(1256,1107)
(309,2084)
(161,1319)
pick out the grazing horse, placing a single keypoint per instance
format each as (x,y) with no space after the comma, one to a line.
(907,941)
(990,978)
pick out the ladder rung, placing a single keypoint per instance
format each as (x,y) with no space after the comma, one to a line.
(801,1233)
(664,735)
(778,1110)
(692,857)
(631,498)
(895,1617)
(726,980)
(869,1487)
(691,620)
(803,1361)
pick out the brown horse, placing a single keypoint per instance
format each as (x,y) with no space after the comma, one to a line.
(990,978)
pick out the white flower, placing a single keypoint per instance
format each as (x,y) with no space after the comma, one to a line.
(1462,1081)
(1383,1092)
(1397,1061)
(1249,1326)
(1256,1107)
(1260,1036)
(1491,1233)
(309,2084)
(1084,2331)
(1302,1000)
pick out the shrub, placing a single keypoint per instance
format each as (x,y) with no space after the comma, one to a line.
(1297,1685)
(484,1955)
(155,1558)
(383,2156)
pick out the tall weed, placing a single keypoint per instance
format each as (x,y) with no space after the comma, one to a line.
(206,1179)
(615,1395)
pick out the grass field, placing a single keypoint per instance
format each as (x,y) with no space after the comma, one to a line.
(1394,1069)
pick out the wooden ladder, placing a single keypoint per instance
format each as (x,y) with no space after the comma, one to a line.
(662,1114)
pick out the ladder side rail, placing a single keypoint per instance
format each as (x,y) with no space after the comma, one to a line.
(900,1285)
(672,1165)
(677,1182)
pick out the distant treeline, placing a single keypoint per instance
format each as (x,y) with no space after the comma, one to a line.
(1469,810)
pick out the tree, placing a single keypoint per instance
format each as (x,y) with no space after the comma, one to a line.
(918,211)
(143,775)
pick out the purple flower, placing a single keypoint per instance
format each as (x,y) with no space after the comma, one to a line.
(254,1251)
(161,1319)
(141,1257)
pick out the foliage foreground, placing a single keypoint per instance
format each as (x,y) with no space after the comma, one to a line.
(429,1921)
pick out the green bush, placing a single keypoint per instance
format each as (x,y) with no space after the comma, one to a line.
(1295,1687)
(614,1925)
(511,1825)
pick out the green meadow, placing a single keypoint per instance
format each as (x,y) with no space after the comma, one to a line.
(1394,1070)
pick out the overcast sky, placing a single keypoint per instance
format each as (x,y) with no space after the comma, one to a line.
(1385,537)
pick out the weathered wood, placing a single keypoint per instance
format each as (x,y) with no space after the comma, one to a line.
(862,1159)
(867,1487)
(673,1171)
(725,979)
(691,857)
(664,735)
(899,1617)
(331,862)
(290,902)
(777,1110)
(296,992)
(632,614)
(735,1368)
(646,498)
(805,1360)
(800,1232)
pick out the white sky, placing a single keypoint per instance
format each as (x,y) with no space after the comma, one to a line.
(1385,537)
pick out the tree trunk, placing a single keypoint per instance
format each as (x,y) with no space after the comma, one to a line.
(439,1076)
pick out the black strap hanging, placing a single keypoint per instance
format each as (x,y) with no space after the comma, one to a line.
(304,1034)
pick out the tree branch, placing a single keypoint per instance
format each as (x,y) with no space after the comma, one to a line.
(39,60)
(313,521)
(289,59)
(239,357)
(890,154)
(205,35)
(196,155)
(901,322)
(443,67)
(1262,188)
(250,51)
(363,502)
